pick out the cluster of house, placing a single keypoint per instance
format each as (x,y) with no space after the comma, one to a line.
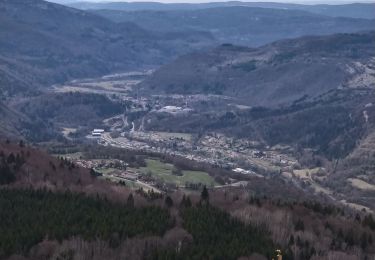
(243,171)
(105,163)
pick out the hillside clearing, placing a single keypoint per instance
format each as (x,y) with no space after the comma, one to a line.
(360,184)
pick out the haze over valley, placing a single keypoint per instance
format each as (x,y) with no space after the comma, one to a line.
(224,130)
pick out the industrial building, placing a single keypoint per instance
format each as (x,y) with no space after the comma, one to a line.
(97,132)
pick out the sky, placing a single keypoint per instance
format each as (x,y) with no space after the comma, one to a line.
(207,1)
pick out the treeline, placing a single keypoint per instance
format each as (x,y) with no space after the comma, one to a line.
(216,234)
(28,216)
(9,165)
(133,158)
(343,237)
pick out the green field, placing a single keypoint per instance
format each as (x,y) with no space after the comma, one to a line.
(163,171)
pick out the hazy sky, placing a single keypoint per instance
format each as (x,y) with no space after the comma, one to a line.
(206,1)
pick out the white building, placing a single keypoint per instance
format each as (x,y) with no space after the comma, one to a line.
(243,171)
(174,110)
(97,132)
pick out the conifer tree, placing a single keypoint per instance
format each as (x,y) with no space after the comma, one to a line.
(204,195)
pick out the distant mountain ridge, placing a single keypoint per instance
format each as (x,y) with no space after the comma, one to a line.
(355,10)
(42,43)
(250,26)
(274,74)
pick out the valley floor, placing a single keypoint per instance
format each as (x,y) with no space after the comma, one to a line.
(246,158)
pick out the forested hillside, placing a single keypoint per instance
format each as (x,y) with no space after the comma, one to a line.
(207,131)
(80,111)
(332,124)
(40,214)
(274,74)
(215,223)
(42,43)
